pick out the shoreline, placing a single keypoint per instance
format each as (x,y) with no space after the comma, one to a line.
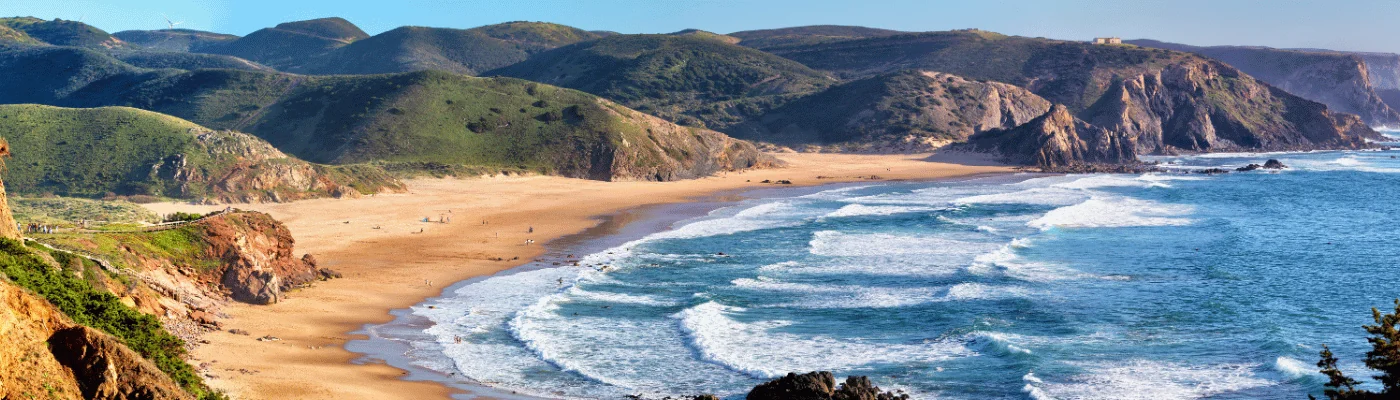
(403,262)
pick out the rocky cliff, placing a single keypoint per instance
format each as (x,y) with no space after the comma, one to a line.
(1204,105)
(1056,140)
(1342,81)
(821,386)
(45,354)
(190,269)
(8,228)
(905,111)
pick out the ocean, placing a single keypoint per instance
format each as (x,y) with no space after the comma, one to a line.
(1148,286)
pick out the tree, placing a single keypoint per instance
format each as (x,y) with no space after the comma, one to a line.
(1384,357)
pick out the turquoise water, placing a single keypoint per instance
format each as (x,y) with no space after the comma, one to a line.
(1155,286)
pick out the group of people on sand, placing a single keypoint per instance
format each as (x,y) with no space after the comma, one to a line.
(34,228)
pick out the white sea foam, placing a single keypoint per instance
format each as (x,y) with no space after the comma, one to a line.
(1001,341)
(818,296)
(1105,181)
(861,210)
(1293,368)
(838,244)
(758,350)
(1143,379)
(977,291)
(620,298)
(1114,212)
(1046,196)
(768,215)
(1005,262)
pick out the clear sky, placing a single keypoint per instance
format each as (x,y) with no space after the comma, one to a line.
(1364,25)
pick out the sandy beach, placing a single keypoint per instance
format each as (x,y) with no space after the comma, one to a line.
(392,260)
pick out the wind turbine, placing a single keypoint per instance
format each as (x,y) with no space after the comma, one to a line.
(170,23)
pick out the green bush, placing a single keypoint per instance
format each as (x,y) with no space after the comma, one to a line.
(102,310)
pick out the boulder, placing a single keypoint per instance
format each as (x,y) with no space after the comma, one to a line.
(808,386)
(1274,164)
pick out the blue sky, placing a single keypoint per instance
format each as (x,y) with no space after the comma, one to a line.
(1341,24)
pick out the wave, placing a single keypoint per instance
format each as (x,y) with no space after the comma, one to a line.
(768,215)
(1143,379)
(1005,262)
(838,244)
(620,298)
(1045,196)
(1105,181)
(1293,368)
(814,296)
(1114,212)
(977,291)
(862,210)
(757,350)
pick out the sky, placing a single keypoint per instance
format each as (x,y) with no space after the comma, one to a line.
(1356,25)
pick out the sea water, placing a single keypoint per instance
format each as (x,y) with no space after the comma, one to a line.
(1151,286)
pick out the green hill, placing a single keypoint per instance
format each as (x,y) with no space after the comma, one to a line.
(291,44)
(93,152)
(902,111)
(692,80)
(11,36)
(49,74)
(187,61)
(765,39)
(174,39)
(62,33)
(466,51)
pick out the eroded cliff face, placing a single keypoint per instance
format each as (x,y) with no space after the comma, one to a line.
(43,354)
(1345,82)
(1207,106)
(906,111)
(1056,140)
(256,255)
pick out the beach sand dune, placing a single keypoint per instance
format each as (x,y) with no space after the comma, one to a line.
(406,260)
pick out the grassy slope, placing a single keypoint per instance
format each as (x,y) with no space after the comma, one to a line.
(765,39)
(62,33)
(186,61)
(293,43)
(467,51)
(687,79)
(174,39)
(1071,73)
(86,304)
(91,152)
(65,211)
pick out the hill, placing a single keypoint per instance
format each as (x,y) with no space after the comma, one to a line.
(187,61)
(690,79)
(10,35)
(902,111)
(764,39)
(93,152)
(466,51)
(185,40)
(1342,81)
(417,121)
(1170,101)
(62,33)
(290,44)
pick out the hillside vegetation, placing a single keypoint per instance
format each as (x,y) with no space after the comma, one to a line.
(689,79)
(466,51)
(94,152)
(287,45)
(174,39)
(764,39)
(62,33)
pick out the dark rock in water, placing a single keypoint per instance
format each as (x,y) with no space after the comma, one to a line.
(808,386)
(1248,168)
(820,386)
(1134,168)
(1274,164)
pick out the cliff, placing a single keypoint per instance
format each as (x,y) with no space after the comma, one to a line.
(1342,81)
(1172,101)
(905,111)
(1204,105)
(243,256)
(1056,140)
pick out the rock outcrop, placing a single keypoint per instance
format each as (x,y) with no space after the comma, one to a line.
(906,111)
(1342,81)
(42,352)
(1206,106)
(256,255)
(8,228)
(106,369)
(820,386)
(662,151)
(1056,140)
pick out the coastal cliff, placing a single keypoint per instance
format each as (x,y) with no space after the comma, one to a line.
(1056,140)
(1342,81)
(905,111)
(1205,106)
